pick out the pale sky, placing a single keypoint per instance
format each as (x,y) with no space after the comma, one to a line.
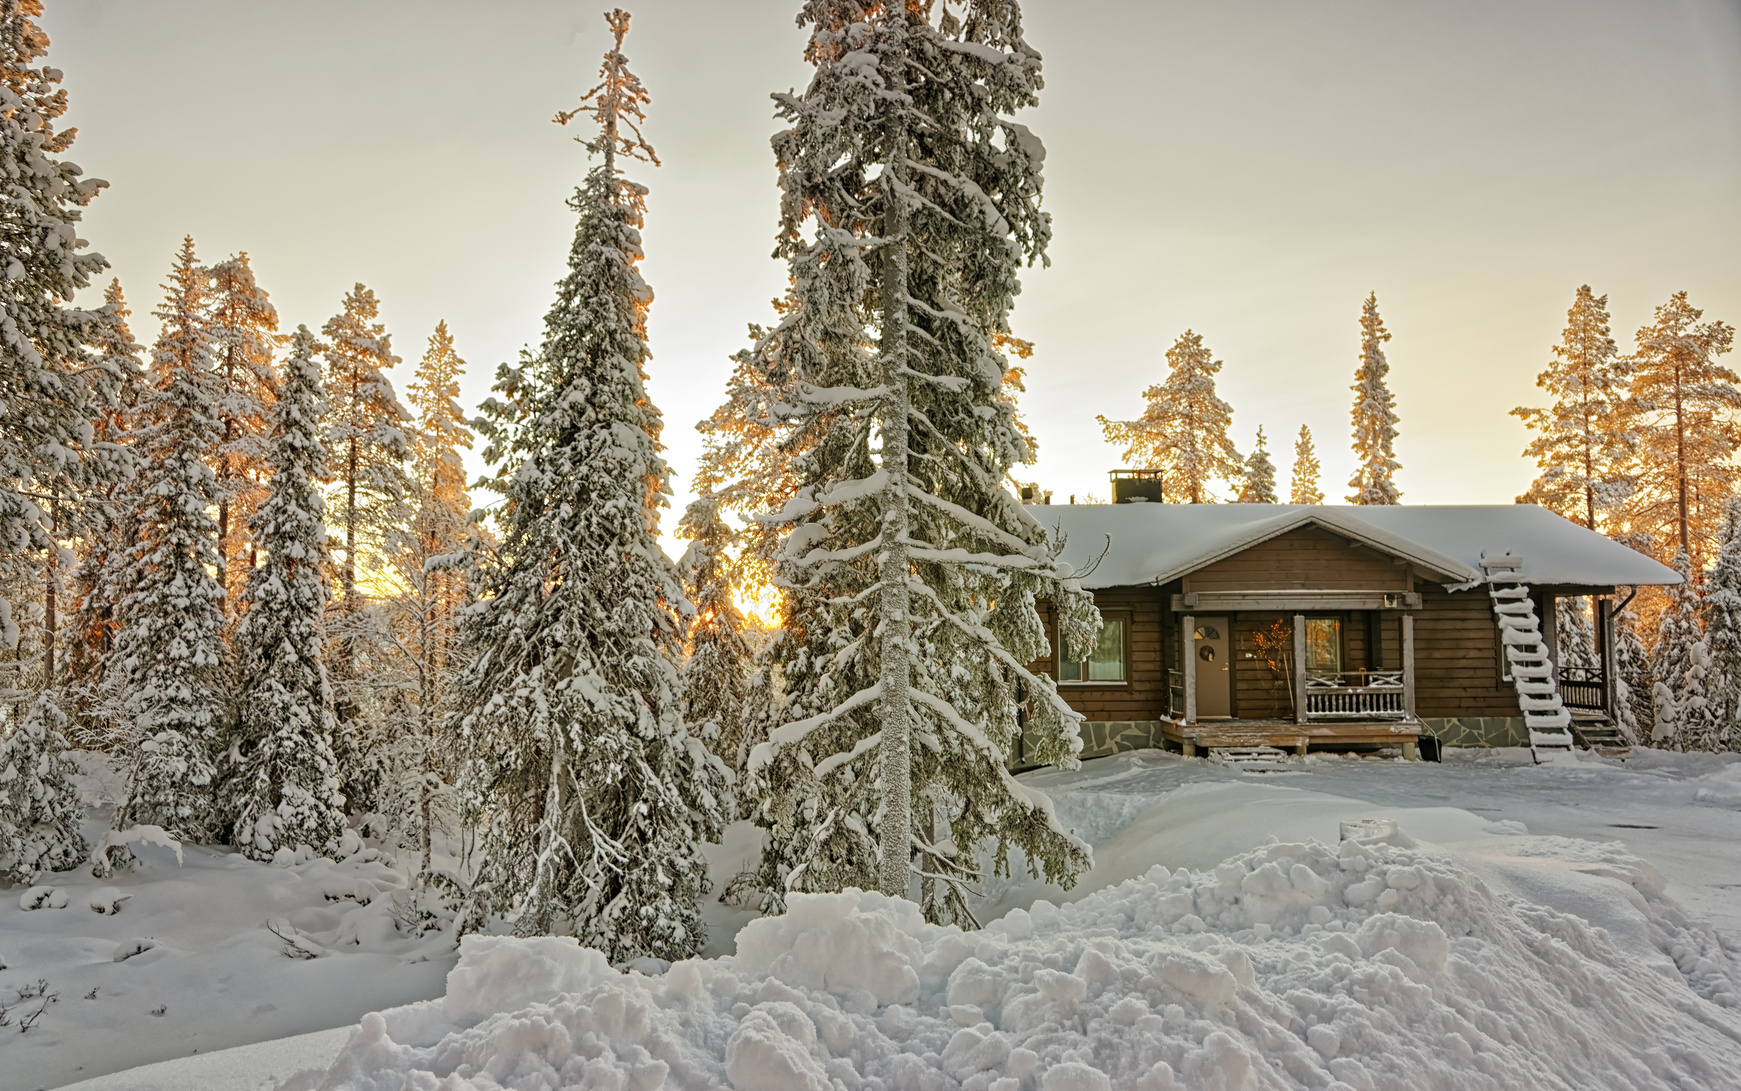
(1246,168)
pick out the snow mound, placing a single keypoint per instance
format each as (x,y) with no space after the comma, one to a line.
(1292,966)
(1721,788)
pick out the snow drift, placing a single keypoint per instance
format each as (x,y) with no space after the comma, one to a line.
(1292,966)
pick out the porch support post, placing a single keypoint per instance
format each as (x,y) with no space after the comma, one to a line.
(1299,668)
(1408,665)
(1188,666)
(1550,626)
(1605,630)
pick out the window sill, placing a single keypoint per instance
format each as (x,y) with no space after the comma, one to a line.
(1092,685)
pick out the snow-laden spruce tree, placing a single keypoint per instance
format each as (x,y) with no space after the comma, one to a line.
(1304,488)
(593,798)
(1722,603)
(1686,404)
(1374,415)
(167,678)
(99,581)
(1679,666)
(244,334)
(40,807)
(716,673)
(1259,483)
(1634,706)
(49,388)
(910,201)
(1574,633)
(287,788)
(1183,430)
(1584,439)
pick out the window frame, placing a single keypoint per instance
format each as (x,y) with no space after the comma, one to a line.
(1121,617)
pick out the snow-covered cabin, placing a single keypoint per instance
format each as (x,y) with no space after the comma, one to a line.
(1299,626)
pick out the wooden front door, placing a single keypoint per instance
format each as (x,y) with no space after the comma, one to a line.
(1210,645)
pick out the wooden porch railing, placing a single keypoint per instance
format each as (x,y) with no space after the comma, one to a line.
(1356,695)
(1175,693)
(1584,688)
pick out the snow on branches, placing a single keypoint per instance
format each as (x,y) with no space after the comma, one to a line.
(287,787)
(1374,416)
(911,198)
(1183,430)
(594,798)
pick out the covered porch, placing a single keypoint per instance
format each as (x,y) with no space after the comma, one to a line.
(1293,670)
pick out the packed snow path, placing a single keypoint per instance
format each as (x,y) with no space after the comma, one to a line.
(1526,654)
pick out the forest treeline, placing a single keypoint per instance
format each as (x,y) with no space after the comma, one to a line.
(242,574)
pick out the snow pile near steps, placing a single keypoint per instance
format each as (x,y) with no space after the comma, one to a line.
(1361,967)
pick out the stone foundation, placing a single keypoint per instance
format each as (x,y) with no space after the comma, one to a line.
(1477,730)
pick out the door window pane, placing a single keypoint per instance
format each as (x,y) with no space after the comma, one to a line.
(1324,645)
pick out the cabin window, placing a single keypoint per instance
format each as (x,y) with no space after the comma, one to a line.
(1324,645)
(1105,663)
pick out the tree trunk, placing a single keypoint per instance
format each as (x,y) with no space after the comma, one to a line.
(49,597)
(894,630)
(1681,465)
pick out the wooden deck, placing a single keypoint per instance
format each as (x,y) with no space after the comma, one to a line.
(1286,735)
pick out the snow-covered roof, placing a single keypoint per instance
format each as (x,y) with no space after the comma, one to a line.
(1154,543)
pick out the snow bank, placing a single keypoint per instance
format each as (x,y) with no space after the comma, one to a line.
(1721,788)
(1295,965)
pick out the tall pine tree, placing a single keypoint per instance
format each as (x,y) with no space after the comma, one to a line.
(1583,440)
(167,677)
(1374,414)
(1687,431)
(365,430)
(1304,487)
(1259,485)
(594,797)
(40,807)
(243,330)
(288,787)
(910,200)
(1183,431)
(431,584)
(366,442)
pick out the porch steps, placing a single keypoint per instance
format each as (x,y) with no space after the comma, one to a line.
(1538,698)
(1602,737)
(1255,758)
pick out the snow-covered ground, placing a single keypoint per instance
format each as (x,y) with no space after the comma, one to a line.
(1504,940)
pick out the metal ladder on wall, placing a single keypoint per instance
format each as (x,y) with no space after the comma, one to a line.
(1526,653)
